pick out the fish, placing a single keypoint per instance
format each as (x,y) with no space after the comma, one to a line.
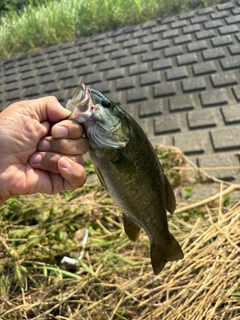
(129,169)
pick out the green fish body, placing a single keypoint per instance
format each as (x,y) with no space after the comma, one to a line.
(130,171)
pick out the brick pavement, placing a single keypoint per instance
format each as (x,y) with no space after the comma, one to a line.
(178,77)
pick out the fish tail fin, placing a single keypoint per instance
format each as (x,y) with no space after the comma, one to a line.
(162,252)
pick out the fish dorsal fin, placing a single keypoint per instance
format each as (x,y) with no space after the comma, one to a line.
(132,230)
(101,179)
(169,196)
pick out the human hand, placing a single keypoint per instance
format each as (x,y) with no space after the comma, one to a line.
(35,154)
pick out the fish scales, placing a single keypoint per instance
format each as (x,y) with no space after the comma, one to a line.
(133,179)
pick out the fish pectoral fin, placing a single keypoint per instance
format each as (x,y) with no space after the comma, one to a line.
(165,251)
(131,229)
(101,179)
(119,158)
(169,196)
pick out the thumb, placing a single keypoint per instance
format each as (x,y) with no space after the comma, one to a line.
(49,108)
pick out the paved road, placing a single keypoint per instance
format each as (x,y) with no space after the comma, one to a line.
(179,77)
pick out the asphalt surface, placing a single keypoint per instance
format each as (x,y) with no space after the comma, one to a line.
(179,77)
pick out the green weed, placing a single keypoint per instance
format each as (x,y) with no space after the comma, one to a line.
(186,216)
(189,192)
(226,200)
(89,168)
(53,22)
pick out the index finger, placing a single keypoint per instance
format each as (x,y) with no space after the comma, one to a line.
(67,129)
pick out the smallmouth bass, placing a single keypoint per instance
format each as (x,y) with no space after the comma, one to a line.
(128,168)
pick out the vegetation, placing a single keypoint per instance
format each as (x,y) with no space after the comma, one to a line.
(114,280)
(16,5)
(29,25)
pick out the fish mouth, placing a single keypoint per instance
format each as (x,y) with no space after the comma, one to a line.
(79,104)
(85,104)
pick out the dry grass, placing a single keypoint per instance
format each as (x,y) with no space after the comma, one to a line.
(115,278)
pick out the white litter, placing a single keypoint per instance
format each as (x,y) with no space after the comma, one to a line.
(71,261)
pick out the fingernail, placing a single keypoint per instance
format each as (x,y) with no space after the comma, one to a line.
(60,132)
(64,163)
(36,158)
(44,145)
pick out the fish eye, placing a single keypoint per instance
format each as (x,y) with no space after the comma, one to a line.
(100,98)
(106,103)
